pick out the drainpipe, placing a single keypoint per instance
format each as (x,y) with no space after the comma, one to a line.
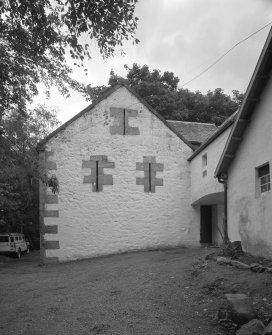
(223,178)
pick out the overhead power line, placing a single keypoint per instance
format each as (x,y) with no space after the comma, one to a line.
(225,54)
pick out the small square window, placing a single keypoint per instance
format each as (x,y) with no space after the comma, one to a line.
(204,160)
(263,178)
(204,173)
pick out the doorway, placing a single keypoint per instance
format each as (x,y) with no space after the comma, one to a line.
(206,224)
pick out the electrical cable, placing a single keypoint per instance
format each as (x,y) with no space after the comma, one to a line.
(227,52)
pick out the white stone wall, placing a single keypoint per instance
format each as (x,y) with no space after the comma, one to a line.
(207,185)
(250,218)
(122,217)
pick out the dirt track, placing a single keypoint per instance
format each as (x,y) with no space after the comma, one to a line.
(138,293)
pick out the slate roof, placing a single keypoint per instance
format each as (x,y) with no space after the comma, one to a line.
(225,125)
(257,84)
(193,131)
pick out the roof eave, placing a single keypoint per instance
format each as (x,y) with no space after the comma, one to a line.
(256,85)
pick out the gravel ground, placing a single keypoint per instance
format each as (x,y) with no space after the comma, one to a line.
(136,293)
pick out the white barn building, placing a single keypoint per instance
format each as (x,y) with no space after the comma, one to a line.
(124,181)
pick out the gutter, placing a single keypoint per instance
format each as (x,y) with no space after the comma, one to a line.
(223,179)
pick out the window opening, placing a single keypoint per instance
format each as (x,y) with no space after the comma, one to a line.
(264,178)
(124,121)
(204,160)
(150,169)
(96,177)
(121,124)
(149,175)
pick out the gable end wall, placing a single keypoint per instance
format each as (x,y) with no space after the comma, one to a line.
(123,216)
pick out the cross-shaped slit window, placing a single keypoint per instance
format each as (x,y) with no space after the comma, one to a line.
(121,118)
(97,178)
(150,168)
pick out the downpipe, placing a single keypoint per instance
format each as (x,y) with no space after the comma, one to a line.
(223,179)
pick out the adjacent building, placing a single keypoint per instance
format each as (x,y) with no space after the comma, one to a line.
(207,194)
(245,163)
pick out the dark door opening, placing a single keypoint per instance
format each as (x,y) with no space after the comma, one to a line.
(205,224)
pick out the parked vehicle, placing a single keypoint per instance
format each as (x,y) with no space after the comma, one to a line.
(13,243)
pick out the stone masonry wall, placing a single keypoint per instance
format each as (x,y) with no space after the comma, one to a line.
(119,190)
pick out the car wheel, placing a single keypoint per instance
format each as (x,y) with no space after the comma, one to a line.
(19,253)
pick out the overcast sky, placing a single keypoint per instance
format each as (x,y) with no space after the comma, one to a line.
(185,37)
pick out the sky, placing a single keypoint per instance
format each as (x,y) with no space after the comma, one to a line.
(185,37)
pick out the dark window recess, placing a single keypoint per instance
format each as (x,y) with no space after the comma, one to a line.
(205,224)
(204,160)
(196,144)
(149,175)
(264,178)
(124,120)
(96,177)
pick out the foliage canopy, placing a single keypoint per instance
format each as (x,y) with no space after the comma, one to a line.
(160,91)
(19,173)
(35,37)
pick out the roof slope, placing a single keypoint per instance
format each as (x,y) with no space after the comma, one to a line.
(193,131)
(111,90)
(256,85)
(225,125)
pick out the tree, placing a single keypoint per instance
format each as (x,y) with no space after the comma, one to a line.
(36,36)
(161,91)
(19,173)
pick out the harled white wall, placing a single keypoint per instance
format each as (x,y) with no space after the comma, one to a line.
(205,189)
(122,217)
(206,185)
(250,218)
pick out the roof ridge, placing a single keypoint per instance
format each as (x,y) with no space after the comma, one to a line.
(225,125)
(105,95)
